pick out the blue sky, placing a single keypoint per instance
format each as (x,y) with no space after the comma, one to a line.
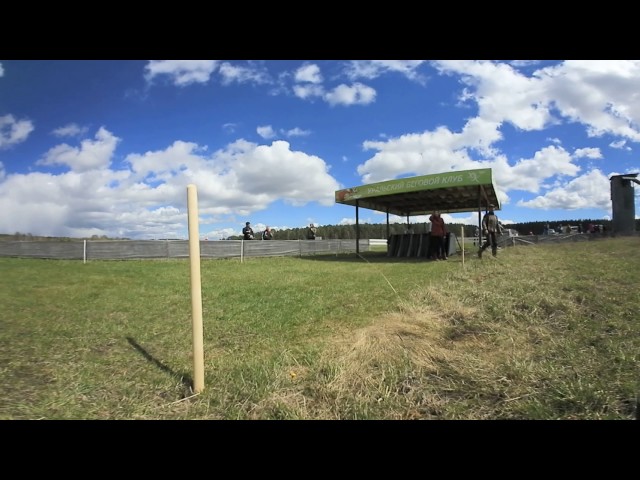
(108,147)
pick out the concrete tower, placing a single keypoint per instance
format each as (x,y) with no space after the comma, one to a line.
(623,203)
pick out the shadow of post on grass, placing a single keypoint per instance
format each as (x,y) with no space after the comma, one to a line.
(183,378)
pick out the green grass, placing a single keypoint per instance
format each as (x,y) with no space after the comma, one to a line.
(541,332)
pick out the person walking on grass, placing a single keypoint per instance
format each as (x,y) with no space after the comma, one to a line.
(491,228)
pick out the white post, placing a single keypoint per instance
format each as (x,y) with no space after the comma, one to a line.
(84,252)
(196,290)
(241,250)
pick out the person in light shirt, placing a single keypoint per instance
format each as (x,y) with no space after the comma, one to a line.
(311,232)
(267,234)
(491,227)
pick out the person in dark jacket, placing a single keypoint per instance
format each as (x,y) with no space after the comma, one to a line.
(247,231)
(491,227)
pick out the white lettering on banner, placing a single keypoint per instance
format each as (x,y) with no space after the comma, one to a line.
(452,179)
(409,184)
(384,188)
(413,184)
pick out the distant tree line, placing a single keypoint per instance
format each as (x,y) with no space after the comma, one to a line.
(379,230)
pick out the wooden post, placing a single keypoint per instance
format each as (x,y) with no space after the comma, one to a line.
(462,231)
(196,290)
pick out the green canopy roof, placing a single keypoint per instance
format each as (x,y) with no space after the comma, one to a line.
(461,191)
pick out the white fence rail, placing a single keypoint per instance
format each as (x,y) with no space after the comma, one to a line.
(140,249)
(378,241)
(132,249)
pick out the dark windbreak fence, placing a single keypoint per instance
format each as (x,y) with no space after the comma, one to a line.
(149,249)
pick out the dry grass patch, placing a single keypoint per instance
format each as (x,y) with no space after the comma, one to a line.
(402,365)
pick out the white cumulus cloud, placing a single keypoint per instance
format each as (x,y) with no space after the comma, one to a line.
(181,72)
(13,131)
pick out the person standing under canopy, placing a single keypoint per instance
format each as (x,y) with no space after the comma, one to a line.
(437,237)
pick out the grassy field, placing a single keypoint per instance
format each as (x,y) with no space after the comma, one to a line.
(540,332)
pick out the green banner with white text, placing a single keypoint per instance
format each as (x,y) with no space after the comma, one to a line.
(426,182)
